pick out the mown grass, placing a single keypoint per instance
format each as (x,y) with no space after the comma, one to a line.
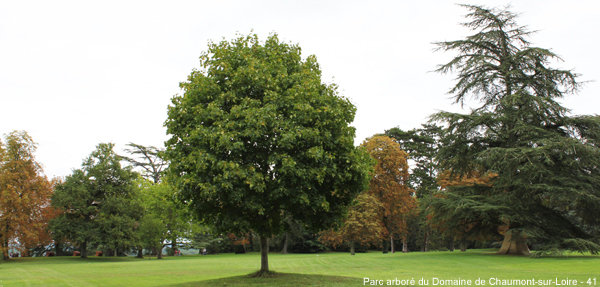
(330,269)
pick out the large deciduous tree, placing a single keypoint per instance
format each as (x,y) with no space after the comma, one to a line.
(547,187)
(257,137)
(389,185)
(24,194)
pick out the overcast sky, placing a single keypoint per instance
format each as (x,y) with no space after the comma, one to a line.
(77,73)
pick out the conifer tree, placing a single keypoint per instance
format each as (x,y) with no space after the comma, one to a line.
(98,203)
(547,189)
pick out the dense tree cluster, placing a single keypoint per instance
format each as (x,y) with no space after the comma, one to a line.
(98,204)
(261,155)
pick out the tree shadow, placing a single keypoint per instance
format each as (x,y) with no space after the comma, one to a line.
(278,279)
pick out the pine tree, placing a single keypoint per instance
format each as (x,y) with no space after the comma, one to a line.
(547,188)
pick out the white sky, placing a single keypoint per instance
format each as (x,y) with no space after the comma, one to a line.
(77,73)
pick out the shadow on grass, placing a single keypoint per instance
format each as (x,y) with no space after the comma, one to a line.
(278,279)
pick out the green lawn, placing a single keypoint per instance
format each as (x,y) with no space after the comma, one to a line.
(331,269)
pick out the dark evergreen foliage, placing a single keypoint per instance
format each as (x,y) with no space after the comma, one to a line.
(98,204)
(548,183)
(149,159)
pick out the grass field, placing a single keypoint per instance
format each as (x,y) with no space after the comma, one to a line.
(330,269)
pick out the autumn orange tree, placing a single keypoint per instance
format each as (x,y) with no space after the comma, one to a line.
(362,224)
(24,194)
(389,185)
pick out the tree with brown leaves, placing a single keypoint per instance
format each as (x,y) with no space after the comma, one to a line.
(362,225)
(24,195)
(389,185)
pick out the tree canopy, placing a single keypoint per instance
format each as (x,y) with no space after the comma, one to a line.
(389,185)
(148,158)
(163,216)
(24,194)
(258,137)
(362,224)
(547,184)
(98,203)
(421,145)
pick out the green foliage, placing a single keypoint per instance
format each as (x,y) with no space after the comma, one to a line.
(73,197)
(98,202)
(202,236)
(257,137)
(301,239)
(583,246)
(163,218)
(467,213)
(422,146)
(546,161)
(149,159)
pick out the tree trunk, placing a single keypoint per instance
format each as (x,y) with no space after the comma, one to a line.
(514,243)
(285,244)
(173,246)
(264,254)
(5,255)
(463,244)
(140,253)
(404,244)
(116,252)
(352,248)
(426,241)
(58,248)
(251,241)
(159,252)
(392,244)
(83,248)
(452,244)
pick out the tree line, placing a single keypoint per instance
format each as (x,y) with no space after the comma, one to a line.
(261,155)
